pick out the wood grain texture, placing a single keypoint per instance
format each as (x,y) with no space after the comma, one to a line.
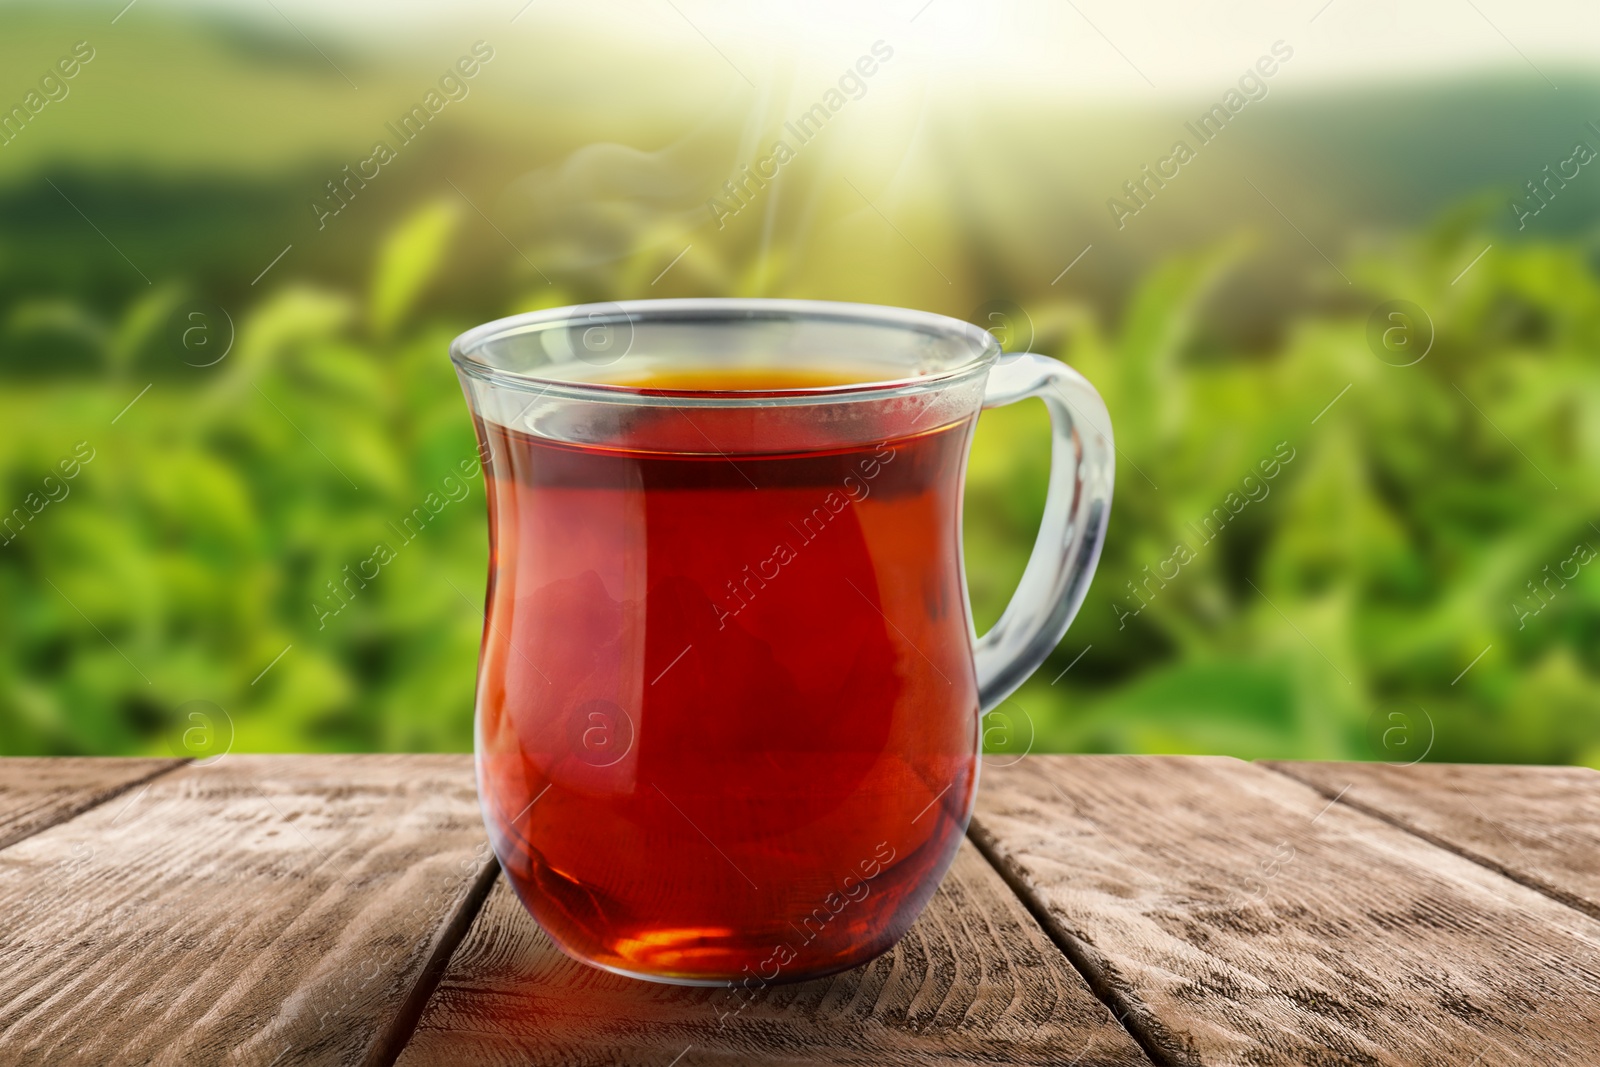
(1537,825)
(258,910)
(975,981)
(38,793)
(1242,918)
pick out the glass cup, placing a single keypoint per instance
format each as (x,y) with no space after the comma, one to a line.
(729,696)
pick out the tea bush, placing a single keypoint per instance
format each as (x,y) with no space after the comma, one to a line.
(1410,578)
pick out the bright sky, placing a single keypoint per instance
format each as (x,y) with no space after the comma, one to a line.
(1129,48)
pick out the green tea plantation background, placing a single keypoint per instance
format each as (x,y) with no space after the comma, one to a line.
(1348,342)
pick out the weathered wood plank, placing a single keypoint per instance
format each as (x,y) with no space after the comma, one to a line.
(257,910)
(36,793)
(1537,825)
(1244,918)
(976,981)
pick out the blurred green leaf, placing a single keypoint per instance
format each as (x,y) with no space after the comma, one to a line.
(411,257)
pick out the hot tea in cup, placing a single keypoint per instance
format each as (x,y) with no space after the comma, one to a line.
(729,694)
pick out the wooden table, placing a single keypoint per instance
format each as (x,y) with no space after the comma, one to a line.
(279,910)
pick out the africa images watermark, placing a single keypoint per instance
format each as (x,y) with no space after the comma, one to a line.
(452,87)
(1542,191)
(1583,554)
(811,926)
(53,88)
(853,81)
(455,489)
(1252,86)
(52,490)
(856,488)
(1254,490)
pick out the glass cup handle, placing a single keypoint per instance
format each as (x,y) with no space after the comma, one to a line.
(1082,465)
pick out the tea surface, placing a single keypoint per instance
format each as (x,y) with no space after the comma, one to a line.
(761,378)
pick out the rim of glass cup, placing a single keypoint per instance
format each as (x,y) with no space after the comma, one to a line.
(984,348)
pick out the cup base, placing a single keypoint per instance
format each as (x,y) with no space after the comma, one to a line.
(726,982)
(659,979)
(860,957)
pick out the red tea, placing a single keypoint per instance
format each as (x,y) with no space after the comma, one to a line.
(728,720)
